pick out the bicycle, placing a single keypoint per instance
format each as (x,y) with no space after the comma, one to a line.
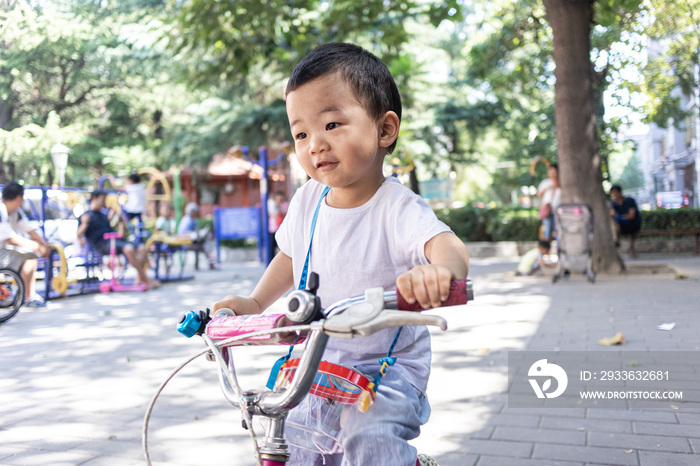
(335,386)
(11,294)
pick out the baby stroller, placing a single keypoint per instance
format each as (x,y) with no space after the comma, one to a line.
(574,236)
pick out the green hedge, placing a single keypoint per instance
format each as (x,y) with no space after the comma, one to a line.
(508,224)
(497,224)
(670,219)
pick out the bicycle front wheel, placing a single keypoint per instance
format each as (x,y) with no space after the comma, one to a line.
(11,294)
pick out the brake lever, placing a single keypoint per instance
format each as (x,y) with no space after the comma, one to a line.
(369,316)
(385,319)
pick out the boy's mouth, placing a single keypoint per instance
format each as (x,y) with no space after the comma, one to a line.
(324,164)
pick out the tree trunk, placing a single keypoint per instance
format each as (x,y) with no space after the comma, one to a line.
(574,113)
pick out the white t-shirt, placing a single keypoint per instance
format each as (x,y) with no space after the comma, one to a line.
(551,196)
(135,198)
(360,248)
(13,224)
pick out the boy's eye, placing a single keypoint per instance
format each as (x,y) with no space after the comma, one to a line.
(332,125)
(300,136)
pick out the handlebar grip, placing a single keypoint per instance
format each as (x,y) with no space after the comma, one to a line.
(460,292)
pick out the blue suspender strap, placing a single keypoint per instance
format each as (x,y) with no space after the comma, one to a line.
(305,270)
(386,361)
(277,366)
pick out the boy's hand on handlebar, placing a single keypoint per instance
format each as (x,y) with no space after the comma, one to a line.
(429,285)
(241,305)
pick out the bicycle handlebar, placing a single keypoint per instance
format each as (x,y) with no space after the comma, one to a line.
(357,316)
(460,292)
(348,318)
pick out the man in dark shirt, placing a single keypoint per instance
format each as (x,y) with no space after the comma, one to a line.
(626,219)
(94,224)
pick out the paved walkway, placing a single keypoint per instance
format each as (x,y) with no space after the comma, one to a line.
(78,375)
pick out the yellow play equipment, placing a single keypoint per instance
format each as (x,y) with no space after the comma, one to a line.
(534,163)
(162,238)
(155,177)
(60,281)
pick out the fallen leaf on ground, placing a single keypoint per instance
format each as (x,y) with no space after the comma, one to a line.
(618,339)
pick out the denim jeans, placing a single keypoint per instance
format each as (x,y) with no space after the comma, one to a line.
(548,224)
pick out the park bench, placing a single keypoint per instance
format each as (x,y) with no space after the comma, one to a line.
(674,232)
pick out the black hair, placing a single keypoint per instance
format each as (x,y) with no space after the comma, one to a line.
(543,244)
(135,177)
(12,191)
(616,187)
(554,165)
(97,193)
(369,78)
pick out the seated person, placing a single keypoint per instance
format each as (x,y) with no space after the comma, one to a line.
(533,261)
(164,230)
(165,223)
(16,251)
(95,223)
(624,214)
(189,227)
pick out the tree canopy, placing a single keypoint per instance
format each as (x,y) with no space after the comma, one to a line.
(164,83)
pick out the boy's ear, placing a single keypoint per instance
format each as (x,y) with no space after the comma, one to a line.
(388,129)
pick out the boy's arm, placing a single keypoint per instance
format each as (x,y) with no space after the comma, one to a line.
(430,284)
(277,279)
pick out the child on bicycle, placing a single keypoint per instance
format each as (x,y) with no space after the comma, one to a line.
(344,111)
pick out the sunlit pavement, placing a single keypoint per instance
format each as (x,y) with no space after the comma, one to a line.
(78,375)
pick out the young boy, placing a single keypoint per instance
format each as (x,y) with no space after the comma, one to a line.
(533,261)
(344,111)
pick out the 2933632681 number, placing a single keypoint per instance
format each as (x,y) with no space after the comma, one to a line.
(633,375)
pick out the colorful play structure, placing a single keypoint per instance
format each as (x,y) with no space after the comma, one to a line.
(74,269)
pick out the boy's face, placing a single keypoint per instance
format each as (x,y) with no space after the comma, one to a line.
(337,142)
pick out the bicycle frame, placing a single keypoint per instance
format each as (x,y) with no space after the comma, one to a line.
(356,316)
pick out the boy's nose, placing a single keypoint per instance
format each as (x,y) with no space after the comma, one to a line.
(318,144)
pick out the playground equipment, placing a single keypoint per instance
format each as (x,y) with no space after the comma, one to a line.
(534,163)
(56,210)
(164,247)
(157,190)
(264,163)
(114,284)
(62,276)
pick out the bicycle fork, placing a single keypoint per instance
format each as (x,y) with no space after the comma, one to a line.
(274,406)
